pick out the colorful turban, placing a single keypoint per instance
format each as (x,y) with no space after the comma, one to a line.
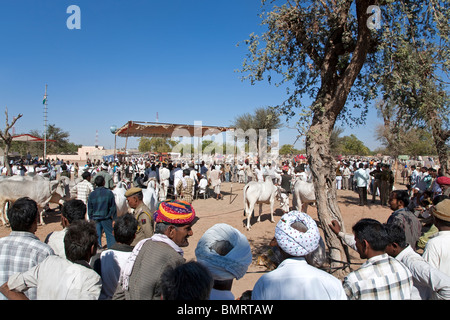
(224,267)
(443,180)
(174,212)
(294,242)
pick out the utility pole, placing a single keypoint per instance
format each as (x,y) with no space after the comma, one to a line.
(45,124)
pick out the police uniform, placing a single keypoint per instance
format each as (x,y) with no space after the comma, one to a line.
(144,218)
(145,223)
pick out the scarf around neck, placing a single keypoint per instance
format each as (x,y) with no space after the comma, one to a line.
(128,268)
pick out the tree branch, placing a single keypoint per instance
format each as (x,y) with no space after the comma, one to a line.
(5,136)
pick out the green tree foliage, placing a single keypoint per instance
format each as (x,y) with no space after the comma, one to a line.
(412,141)
(288,149)
(347,145)
(414,75)
(335,141)
(156,144)
(209,147)
(262,118)
(61,145)
(351,145)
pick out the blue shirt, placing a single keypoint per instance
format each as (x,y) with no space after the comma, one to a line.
(102,204)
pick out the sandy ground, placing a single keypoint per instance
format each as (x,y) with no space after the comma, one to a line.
(230,210)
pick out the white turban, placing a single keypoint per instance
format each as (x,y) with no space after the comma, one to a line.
(235,263)
(294,242)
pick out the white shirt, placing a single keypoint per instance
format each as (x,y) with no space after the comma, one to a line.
(346,172)
(295,279)
(429,282)
(164,174)
(361,177)
(259,175)
(437,252)
(202,185)
(415,177)
(215,177)
(57,278)
(56,241)
(112,262)
(177,176)
(193,175)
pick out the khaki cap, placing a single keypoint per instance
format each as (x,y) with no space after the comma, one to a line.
(132,191)
(442,210)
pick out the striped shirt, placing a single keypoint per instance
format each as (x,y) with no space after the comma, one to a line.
(379,278)
(19,252)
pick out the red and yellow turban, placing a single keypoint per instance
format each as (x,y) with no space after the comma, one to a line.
(175,212)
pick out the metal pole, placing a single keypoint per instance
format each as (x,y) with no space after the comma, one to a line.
(115,142)
(45,124)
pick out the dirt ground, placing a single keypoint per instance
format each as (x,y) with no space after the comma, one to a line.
(230,210)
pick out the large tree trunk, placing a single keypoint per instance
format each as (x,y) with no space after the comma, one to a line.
(442,150)
(323,167)
(440,137)
(330,100)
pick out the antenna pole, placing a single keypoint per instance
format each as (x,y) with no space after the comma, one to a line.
(45,124)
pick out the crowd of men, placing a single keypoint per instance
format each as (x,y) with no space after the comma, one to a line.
(406,256)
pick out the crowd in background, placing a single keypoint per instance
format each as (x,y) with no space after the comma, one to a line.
(406,257)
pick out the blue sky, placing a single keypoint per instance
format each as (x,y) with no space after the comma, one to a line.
(130,60)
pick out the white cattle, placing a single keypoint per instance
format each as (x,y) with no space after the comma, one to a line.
(150,198)
(152,183)
(303,194)
(70,190)
(39,189)
(259,193)
(121,200)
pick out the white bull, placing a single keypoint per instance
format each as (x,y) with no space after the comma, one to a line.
(303,195)
(70,190)
(121,200)
(150,198)
(39,189)
(259,193)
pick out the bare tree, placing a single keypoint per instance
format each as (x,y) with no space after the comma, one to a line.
(7,138)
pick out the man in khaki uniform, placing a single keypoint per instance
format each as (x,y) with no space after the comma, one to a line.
(142,214)
(185,187)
